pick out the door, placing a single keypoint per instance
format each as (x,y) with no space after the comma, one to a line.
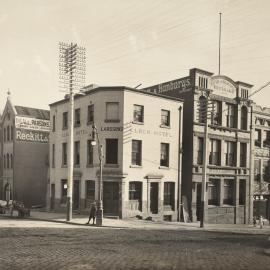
(111,198)
(76,194)
(198,201)
(52,196)
(154,198)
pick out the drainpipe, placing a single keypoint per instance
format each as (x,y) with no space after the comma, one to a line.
(251,170)
(180,164)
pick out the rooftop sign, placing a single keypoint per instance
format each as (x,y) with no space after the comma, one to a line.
(223,86)
(31,123)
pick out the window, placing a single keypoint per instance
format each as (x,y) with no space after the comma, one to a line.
(164,154)
(63,191)
(243,154)
(7,161)
(5,137)
(228,191)
(11,161)
(266,141)
(4,160)
(214,155)
(266,168)
(200,151)
(136,155)
(77,121)
(242,192)
(8,133)
(165,118)
(230,154)
(112,111)
(257,170)
(135,190)
(77,153)
(231,116)
(90,114)
(111,151)
(138,113)
(90,153)
(202,109)
(244,117)
(169,190)
(65,120)
(11,133)
(89,192)
(217,113)
(213,192)
(53,125)
(258,137)
(244,93)
(203,82)
(64,154)
(53,155)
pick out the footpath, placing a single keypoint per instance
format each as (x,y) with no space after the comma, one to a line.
(134,223)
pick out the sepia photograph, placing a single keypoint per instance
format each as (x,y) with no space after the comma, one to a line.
(134,135)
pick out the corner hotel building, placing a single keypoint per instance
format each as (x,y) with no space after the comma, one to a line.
(141,137)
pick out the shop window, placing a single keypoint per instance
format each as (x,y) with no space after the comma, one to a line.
(266,141)
(111,151)
(89,192)
(90,114)
(53,126)
(64,154)
(138,113)
(215,149)
(228,191)
(258,138)
(242,192)
(65,120)
(136,158)
(200,151)
(90,153)
(230,154)
(164,154)
(165,118)
(169,192)
(77,153)
(135,194)
(231,116)
(112,111)
(244,117)
(213,192)
(77,121)
(63,199)
(243,154)
(53,155)
(217,113)
(257,170)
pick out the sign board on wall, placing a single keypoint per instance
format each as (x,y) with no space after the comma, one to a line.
(172,88)
(222,86)
(30,129)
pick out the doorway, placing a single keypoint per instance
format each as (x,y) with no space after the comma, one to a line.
(154,198)
(76,194)
(198,201)
(52,196)
(111,198)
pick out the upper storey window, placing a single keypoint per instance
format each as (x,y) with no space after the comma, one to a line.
(244,118)
(65,120)
(217,113)
(203,82)
(77,117)
(138,113)
(231,116)
(202,109)
(112,111)
(165,118)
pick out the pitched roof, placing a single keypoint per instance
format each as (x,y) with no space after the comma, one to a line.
(33,112)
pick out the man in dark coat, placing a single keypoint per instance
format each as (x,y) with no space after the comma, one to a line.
(92,214)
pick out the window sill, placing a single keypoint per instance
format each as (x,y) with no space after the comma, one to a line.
(137,123)
(111,165)
(90,123)
(164,126)
(164,167)
(76,165)
(112,120)
(65,128)
(64,166)
(77,125)
(135,166)
(90,165)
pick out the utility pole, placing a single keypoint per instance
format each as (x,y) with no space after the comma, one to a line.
(219,44)
(71,78)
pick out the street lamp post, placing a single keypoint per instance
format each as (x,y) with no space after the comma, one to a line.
(95,138)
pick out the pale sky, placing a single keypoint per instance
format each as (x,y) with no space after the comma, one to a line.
(129,42)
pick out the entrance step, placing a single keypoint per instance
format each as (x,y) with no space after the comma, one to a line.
(111,216)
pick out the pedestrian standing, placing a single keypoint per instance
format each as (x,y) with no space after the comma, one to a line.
(92,214)
(254,221)
(261,222)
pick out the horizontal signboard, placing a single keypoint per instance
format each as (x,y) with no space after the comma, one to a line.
(31,123)
(32,136)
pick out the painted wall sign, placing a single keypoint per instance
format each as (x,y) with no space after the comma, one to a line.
(30,123)
(111,128)
(32,136)
(223,87)
(174,87)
